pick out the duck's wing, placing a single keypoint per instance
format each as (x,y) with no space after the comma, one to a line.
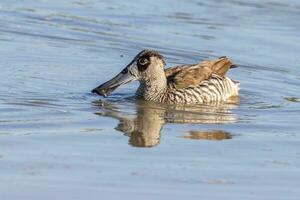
(184,76)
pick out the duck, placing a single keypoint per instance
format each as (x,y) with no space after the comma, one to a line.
(204,82)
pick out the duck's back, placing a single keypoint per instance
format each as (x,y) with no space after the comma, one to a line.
(200,83)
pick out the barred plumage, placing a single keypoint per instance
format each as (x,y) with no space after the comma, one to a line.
(215,89)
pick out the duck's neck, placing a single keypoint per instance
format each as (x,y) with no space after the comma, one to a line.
(153,88)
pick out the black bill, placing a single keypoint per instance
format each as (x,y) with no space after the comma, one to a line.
(106,88)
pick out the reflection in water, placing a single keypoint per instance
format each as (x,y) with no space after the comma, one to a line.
(208,135)
(292,99)
(144,129)
(142,121)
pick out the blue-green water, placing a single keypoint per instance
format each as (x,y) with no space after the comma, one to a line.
(58,141)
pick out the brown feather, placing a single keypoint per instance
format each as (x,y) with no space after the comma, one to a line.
(184,76)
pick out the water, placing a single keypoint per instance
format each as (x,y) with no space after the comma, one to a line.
(58,141)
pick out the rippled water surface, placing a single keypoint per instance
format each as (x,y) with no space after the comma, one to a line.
(58,141)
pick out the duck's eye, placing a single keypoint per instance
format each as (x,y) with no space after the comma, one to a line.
(143,61)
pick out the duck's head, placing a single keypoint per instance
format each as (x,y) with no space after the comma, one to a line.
(146,66)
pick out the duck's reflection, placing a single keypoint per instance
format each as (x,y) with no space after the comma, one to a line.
(144,129)
(142,121)
(208,135)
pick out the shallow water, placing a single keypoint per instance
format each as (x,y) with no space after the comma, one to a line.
(59,141)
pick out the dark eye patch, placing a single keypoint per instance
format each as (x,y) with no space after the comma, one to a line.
(143,63)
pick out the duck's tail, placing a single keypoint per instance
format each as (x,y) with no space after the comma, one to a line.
(222,65)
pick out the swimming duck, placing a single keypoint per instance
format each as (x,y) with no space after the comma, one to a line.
(200,83)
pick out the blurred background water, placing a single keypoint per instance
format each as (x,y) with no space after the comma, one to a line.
(58,141)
